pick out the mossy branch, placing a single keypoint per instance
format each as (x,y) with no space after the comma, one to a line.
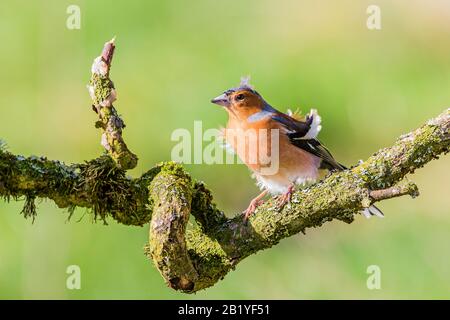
(194,257)
(103,94)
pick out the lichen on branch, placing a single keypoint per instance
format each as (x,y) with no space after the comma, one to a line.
(194,257)
(103,94)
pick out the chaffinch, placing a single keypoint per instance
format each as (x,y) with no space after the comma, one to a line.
(280,149)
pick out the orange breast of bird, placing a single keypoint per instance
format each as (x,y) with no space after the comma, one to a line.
(264,143)
(252,141)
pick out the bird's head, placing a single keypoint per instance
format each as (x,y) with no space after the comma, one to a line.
(243,100)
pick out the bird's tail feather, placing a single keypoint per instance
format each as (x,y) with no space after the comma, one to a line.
(372,211)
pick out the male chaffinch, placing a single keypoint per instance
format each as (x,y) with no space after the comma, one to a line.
(293,151)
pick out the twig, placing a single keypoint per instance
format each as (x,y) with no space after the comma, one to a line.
(103,94)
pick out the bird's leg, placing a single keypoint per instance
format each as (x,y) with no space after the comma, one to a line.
(285,197)
(255,203)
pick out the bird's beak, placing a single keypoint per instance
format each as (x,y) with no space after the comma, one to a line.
(221,100)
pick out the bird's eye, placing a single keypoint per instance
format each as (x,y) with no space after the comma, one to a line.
(240,97)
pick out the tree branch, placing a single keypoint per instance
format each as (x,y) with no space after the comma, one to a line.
(399,190)
(103,94)
(195,257)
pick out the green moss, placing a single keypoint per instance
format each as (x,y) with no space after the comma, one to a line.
(102,87)
(111,123)
(111,193)
(29,208)
(204,209)
(97,184)
(209,259)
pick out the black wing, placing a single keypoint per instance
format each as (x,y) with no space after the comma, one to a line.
(296,133)
(314,147)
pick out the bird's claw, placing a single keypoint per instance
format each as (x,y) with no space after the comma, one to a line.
(285,198)
(254,204)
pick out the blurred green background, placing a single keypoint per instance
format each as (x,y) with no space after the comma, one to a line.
(172,57)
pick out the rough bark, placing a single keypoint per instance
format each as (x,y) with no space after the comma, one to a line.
(196,257)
